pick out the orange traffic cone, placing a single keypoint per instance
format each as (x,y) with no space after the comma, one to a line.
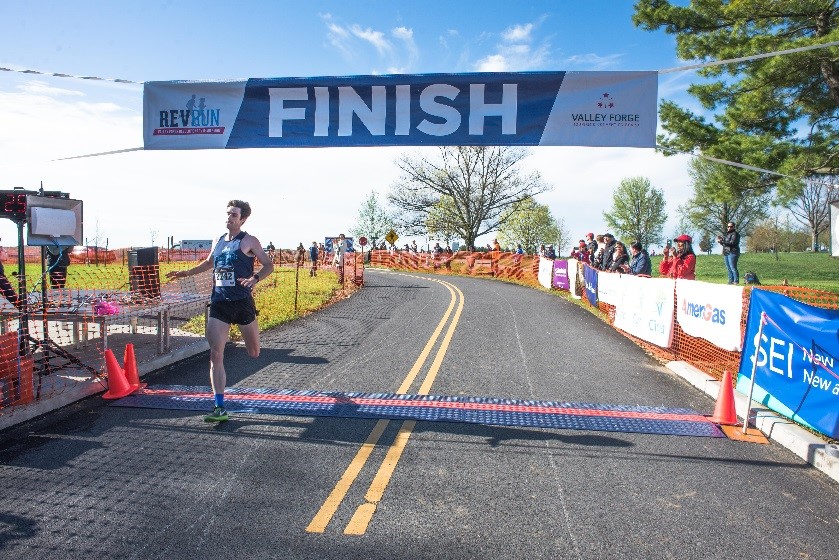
(131,373)
(724,413)
(118,385)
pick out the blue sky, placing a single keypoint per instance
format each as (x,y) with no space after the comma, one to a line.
(298,194)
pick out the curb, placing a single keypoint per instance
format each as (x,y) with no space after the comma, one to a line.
(783,431)
(87,388)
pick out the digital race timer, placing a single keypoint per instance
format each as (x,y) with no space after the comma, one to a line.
(13,204)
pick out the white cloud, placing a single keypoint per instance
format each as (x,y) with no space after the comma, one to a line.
(375,38)
(516,52)
(37,87)
(492,63)
(406,35)
(517,33)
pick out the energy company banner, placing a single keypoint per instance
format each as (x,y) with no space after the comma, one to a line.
(645,308)
(797,372)
(481,109)
(710,311)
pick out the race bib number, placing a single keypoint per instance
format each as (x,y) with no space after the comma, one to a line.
(225,276)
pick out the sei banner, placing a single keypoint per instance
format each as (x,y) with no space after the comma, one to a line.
(590,276)
(479,109)
(797,357)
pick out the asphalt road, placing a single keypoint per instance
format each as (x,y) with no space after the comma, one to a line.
(96,481)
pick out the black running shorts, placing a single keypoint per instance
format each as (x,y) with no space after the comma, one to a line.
(236,312)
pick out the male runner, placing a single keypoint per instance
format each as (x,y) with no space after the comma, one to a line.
(231,303)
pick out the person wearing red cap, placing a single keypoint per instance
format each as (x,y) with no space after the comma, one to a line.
(681,261)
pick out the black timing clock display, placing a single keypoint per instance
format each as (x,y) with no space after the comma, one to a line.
(13,205)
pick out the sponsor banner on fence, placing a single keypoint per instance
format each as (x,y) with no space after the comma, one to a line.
(609,287)
(546,270)
(645,309)
(710,311)
(590,276)
(560,276)
(797,371)
(480,109)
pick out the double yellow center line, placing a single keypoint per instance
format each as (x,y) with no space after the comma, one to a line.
(364,512)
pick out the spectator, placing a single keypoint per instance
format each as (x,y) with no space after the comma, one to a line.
(313,255)
(619,258)
(5,286)
(58,259)
(449,256)
(681,261)
(542,251)
(550,253)
(582,252)
(414,247)
(731,252)
(591,245)
(608,248)
(640,263)
(301,255)
(597,256)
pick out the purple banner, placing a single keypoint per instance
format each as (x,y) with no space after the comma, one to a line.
(560,275)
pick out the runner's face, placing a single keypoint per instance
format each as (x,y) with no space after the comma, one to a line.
(234,217)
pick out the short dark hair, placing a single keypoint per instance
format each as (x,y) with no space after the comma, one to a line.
(241,205)
(636,245)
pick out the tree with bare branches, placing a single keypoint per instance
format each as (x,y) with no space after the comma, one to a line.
(479,183)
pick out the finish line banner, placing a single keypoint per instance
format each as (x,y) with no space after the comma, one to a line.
(797,359)
(608,109)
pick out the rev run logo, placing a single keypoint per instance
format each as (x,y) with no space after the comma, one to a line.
(704,311)
(194,118)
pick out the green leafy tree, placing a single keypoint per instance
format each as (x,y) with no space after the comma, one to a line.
(723,194)
(530,223)
(482,182)
(374,222)
(637,212)
(758,105)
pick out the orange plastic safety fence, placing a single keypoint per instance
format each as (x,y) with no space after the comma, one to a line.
(523,268)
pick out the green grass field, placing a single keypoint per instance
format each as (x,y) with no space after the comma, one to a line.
(819,271)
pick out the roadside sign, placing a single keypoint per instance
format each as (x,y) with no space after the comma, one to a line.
(362,241)
(391,237)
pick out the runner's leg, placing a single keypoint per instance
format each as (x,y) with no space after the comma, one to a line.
(250,333)
(218,333)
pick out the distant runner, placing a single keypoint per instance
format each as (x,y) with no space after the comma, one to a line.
(231,303)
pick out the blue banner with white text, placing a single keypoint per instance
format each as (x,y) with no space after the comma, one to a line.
(480,109)
(797,371)
(590,275)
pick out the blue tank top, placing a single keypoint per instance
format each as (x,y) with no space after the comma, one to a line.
(230,265)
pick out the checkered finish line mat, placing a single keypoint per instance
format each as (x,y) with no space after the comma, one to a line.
(430,408)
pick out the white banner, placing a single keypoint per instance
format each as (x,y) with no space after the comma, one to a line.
(573,277)
(645,308)
(546,272)
(710,311)
(609,287)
